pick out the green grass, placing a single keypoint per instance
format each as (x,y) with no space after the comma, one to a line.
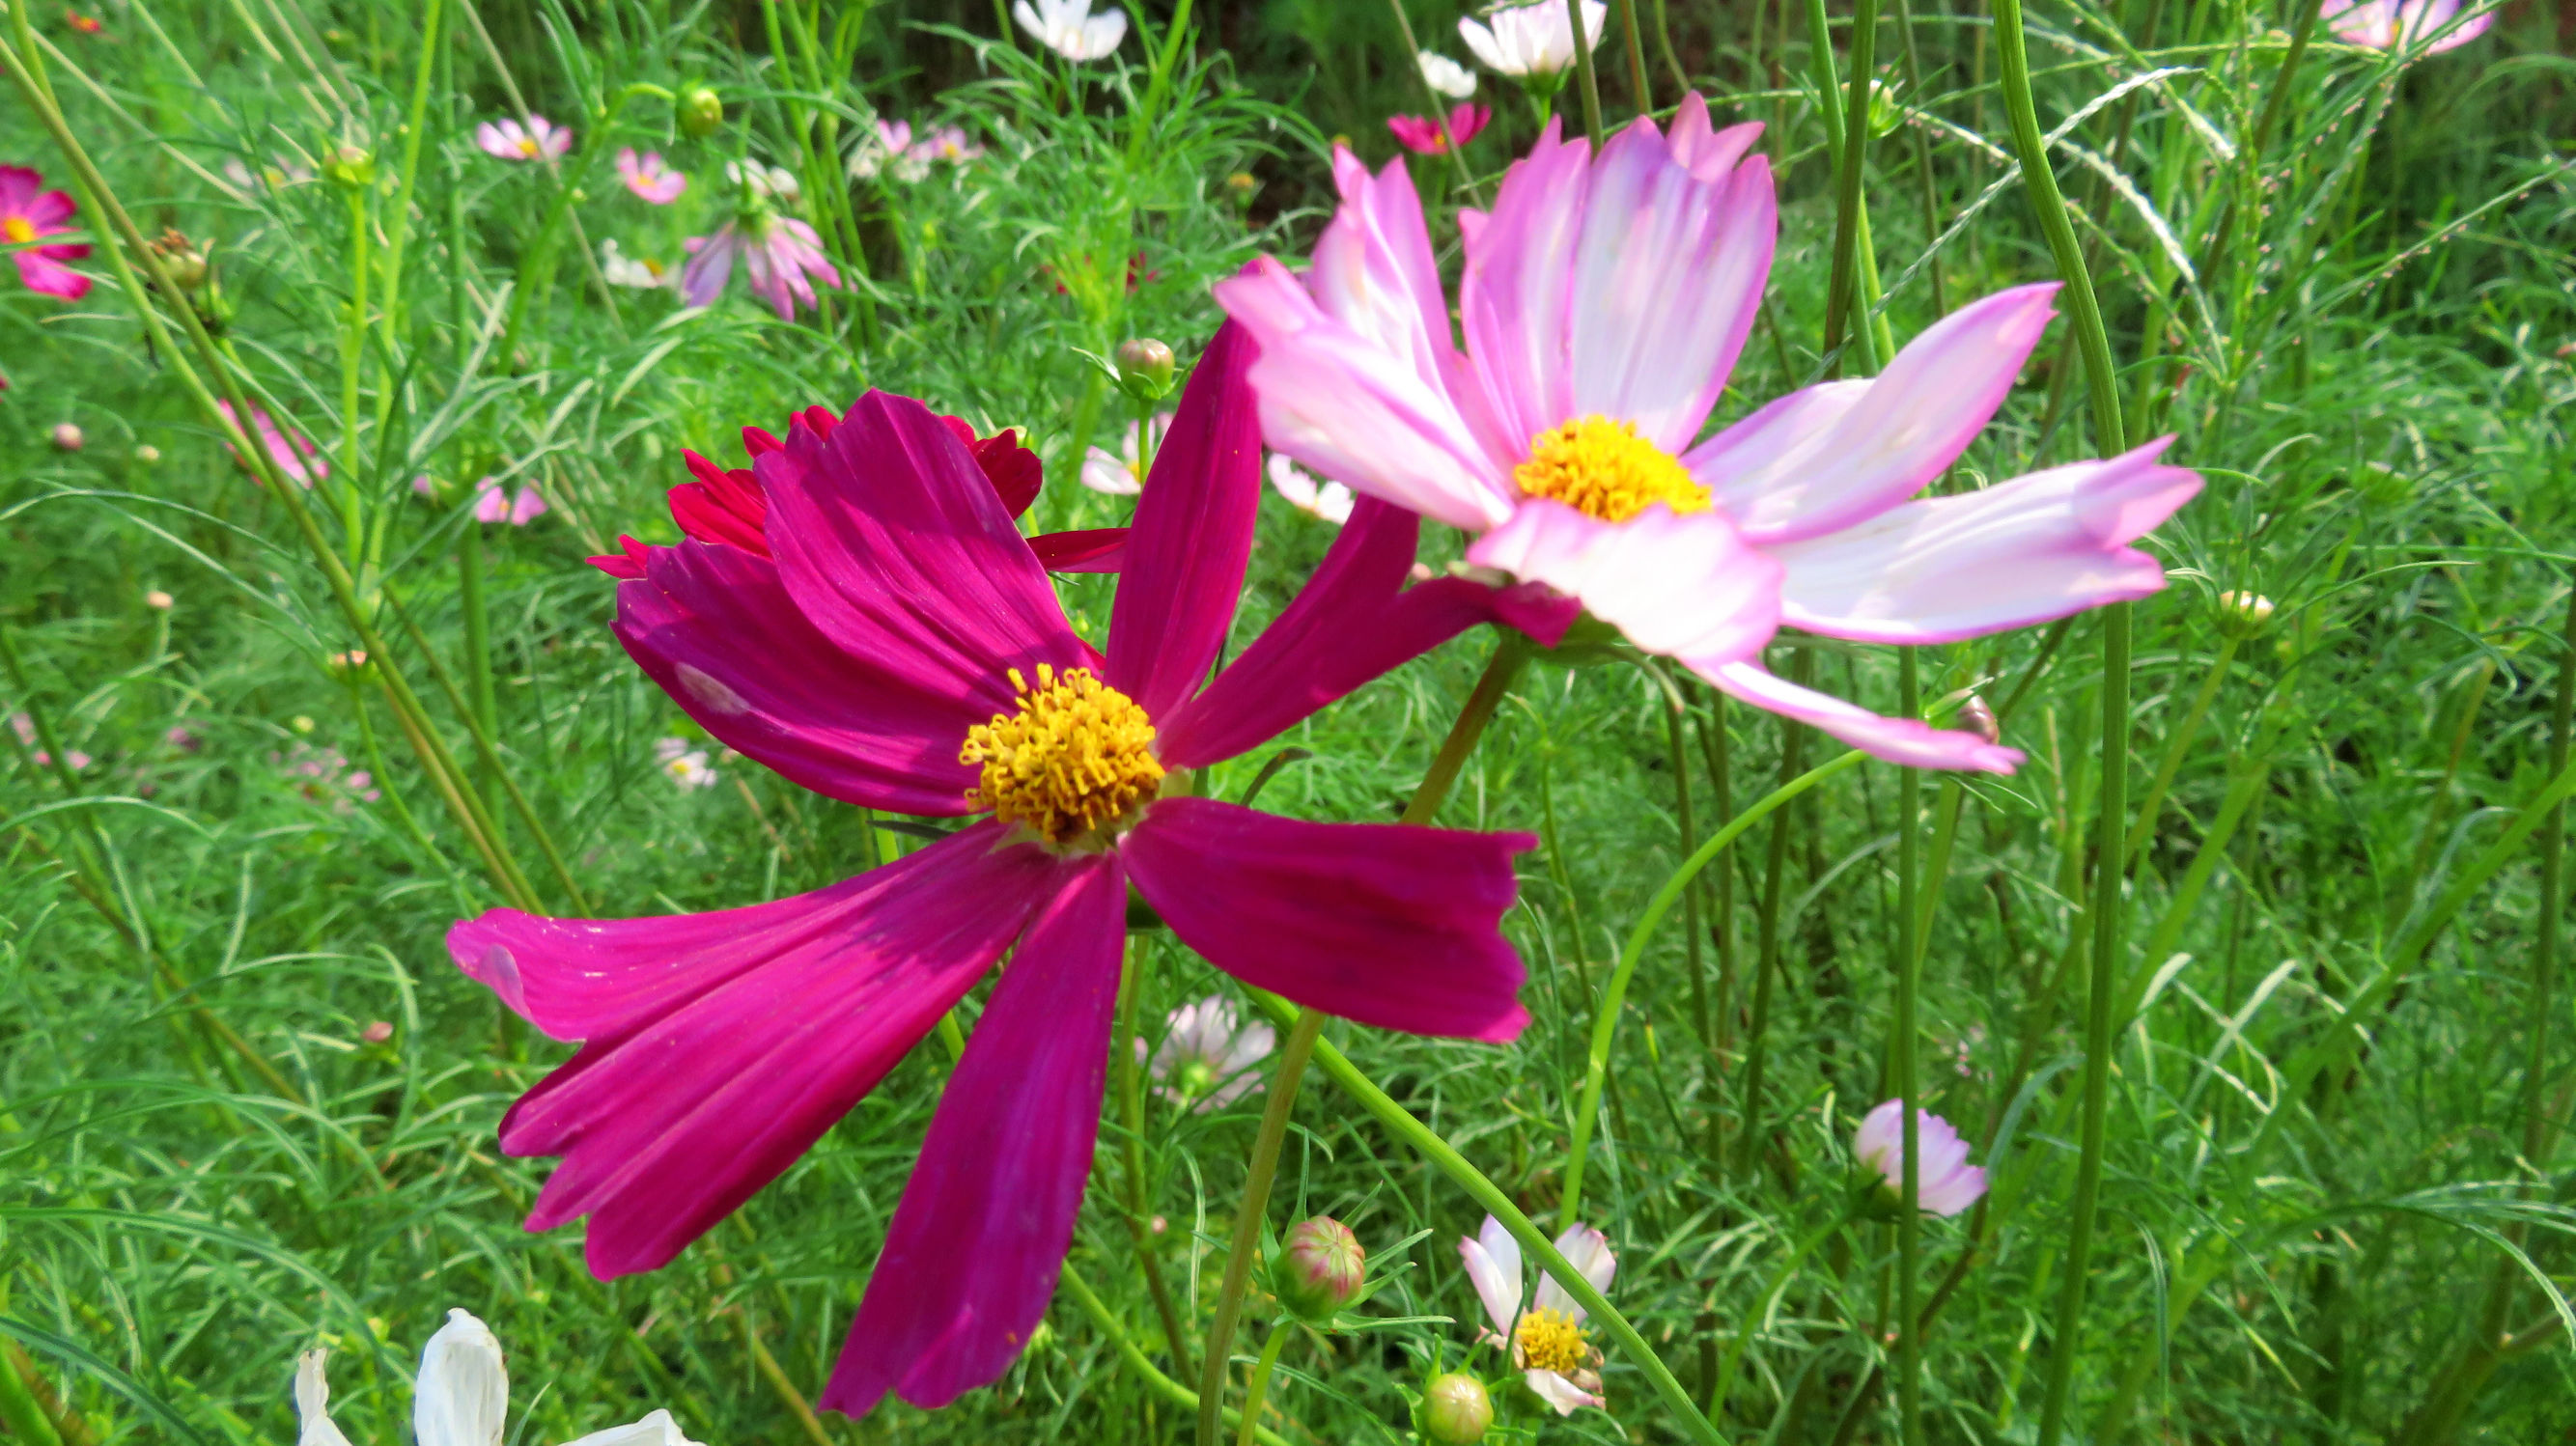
(2357,332)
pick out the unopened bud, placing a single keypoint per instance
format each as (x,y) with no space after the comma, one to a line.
(1455,1410)
(1980,719)
(67,437)
(159,601)
(301,723)
(1320,1268)
(378,1032)
(148,455)
(1144,368)
(351,166)
(2245,611)
(348,667)
(701,111)
(1241,187)
(180,259)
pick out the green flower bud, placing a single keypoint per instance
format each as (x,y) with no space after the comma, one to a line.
(701,111)
(1455,1410)
(2244,612)
(351,166)
(1145,368)
(1319,1269)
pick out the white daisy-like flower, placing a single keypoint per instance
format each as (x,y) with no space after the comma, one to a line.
(1205,1058)
(1326,501)
(1115,473)
(1531,39)
(641,272)
(1068,27)
(769,183)
(1546,1341)
(1447,76)
(687,767)
(460,1398)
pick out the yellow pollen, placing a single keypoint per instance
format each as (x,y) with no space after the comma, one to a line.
(527,145)
(1076,757)
(1603,469)
(1549,1341)
(18,229)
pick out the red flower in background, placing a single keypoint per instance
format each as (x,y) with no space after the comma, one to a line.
(1426,136)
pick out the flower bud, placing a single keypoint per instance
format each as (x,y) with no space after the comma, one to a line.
(1455,1410)
(2245,611)
(1980,719)
(378,1032)
(348,667)
(159,601)
(1319,1269)
(67,437)
(148,455)
(351,166)
(1241,187)
(701,111)
(1144,368)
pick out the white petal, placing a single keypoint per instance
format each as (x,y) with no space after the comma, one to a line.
(313,1402)
(1104,473)
(1588,1251)
(1494,1266)
(1682,585)
(1561,1393)
(462,1396)
(657,1429)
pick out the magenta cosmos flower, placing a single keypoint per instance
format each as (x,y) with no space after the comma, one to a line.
(900,648)
(2389,24)
(28,214)
(294,456)
(512,141)
(1426,135)
(649,178)
(777,252)
(1604,303)
(1944,1184)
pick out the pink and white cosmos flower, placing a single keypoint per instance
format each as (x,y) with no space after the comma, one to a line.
(1944,1184)
(649,178)
(2390,24)
(778,254)
(1546,1341)
(27,213)
(511,141)
(1604,303)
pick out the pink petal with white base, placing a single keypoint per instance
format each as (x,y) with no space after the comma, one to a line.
(1682,585)
(1588,1251)
(1709,154)
(1515,296)
(1374,271)
(1898,740)
(1806,465)
(2026,551)
(1494,1268)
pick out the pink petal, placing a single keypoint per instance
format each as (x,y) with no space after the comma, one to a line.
(973,1254)
(1192,536)
(1667,280)
(1353,620)
(714,628)
(720,1046)
(48,210)
(1898,740)
(491,504)
(18,185)
(1416,134)
(710,265)
(1830,456)
(1588,1251)
(1373,268)
(1709,155)
(42,275)
(1387,924)
(1494,1269)
(527,507)
(893,544)
(1683,585)
(1466,120)
(2022,552)
(496,141)
(1092,549)
(1561,1393)
(1516,293)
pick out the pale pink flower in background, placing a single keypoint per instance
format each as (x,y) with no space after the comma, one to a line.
(1531,40)
(686,767)
(493,504)
(1117,473)
(1325,501)
(1433,136)
(25,728)
(1944,1184)
(294,456)
(1206,1058)
(324,776)
(777,253)
(2389,24)
(67,437)
(1068,27)
(1546,1341)
(649,178)
(765,182)
(159,601)
(889,141)
(949,144)
(512,141)
(281,172)
(1604,301)
(642,273)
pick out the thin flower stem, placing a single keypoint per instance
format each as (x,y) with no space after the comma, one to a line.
(1853,156)
(1752,1323)
(353,358)
(1511,650)
(1584,81)
(1131,1111)
(2152,801)
(1677,757)
(1909,972)
(1605,1019)
(1645,93)
(1766,951)
(398,224)
(1135,1359)
(478,630)
(1258,1387)
(1302,1036)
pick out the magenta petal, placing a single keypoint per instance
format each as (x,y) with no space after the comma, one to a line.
(1388,924)
(1898,740)
(973,1254)
(1353,620)
(715,628)
(1092,549)
(720,1046)
(1192,536)
(893,543)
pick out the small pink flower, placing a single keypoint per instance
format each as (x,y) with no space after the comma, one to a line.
(778,253)
(294,456)
(511,141)
(182,738)
(1546,1341)
(2390,24)
(948,143)
(492,504)
(27,214)
(1206,1059)
(894,136)
(649,178)
(1425,136)
(1944,1184)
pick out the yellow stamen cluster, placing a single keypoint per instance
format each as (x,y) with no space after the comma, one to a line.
(18,229)
(1550,1341)
(1076,757)
(528,147)
(1603,469)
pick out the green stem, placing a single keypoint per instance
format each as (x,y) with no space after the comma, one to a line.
(1766,948)
(1131,1110)
(1302,1036)
(1256,1389)
(1636,56)
(1605,1019)
(1753,1318)
(1511,650)
(1135,1360)
(478,631)
(398,226)
(1909,971)
(2153,800)
(1590,88)
(1854,152)
(353,355)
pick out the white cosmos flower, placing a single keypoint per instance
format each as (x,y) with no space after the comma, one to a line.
(640,272)
(687,766)
(1447,76)
(1068,27)
(1327,501)
(461,1397)
(774,183)
(1546,1341)
(1116,474)
(1204,1057)
(1531,39)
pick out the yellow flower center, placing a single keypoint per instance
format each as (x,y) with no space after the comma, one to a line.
(1549,1341)
(1603,469)
(528,146)
(18,229)
(1076,757)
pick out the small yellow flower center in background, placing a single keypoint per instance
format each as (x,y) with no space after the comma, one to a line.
(528,146)
(18,229)
(1603,469)
(1549,1341)
(1078,755)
